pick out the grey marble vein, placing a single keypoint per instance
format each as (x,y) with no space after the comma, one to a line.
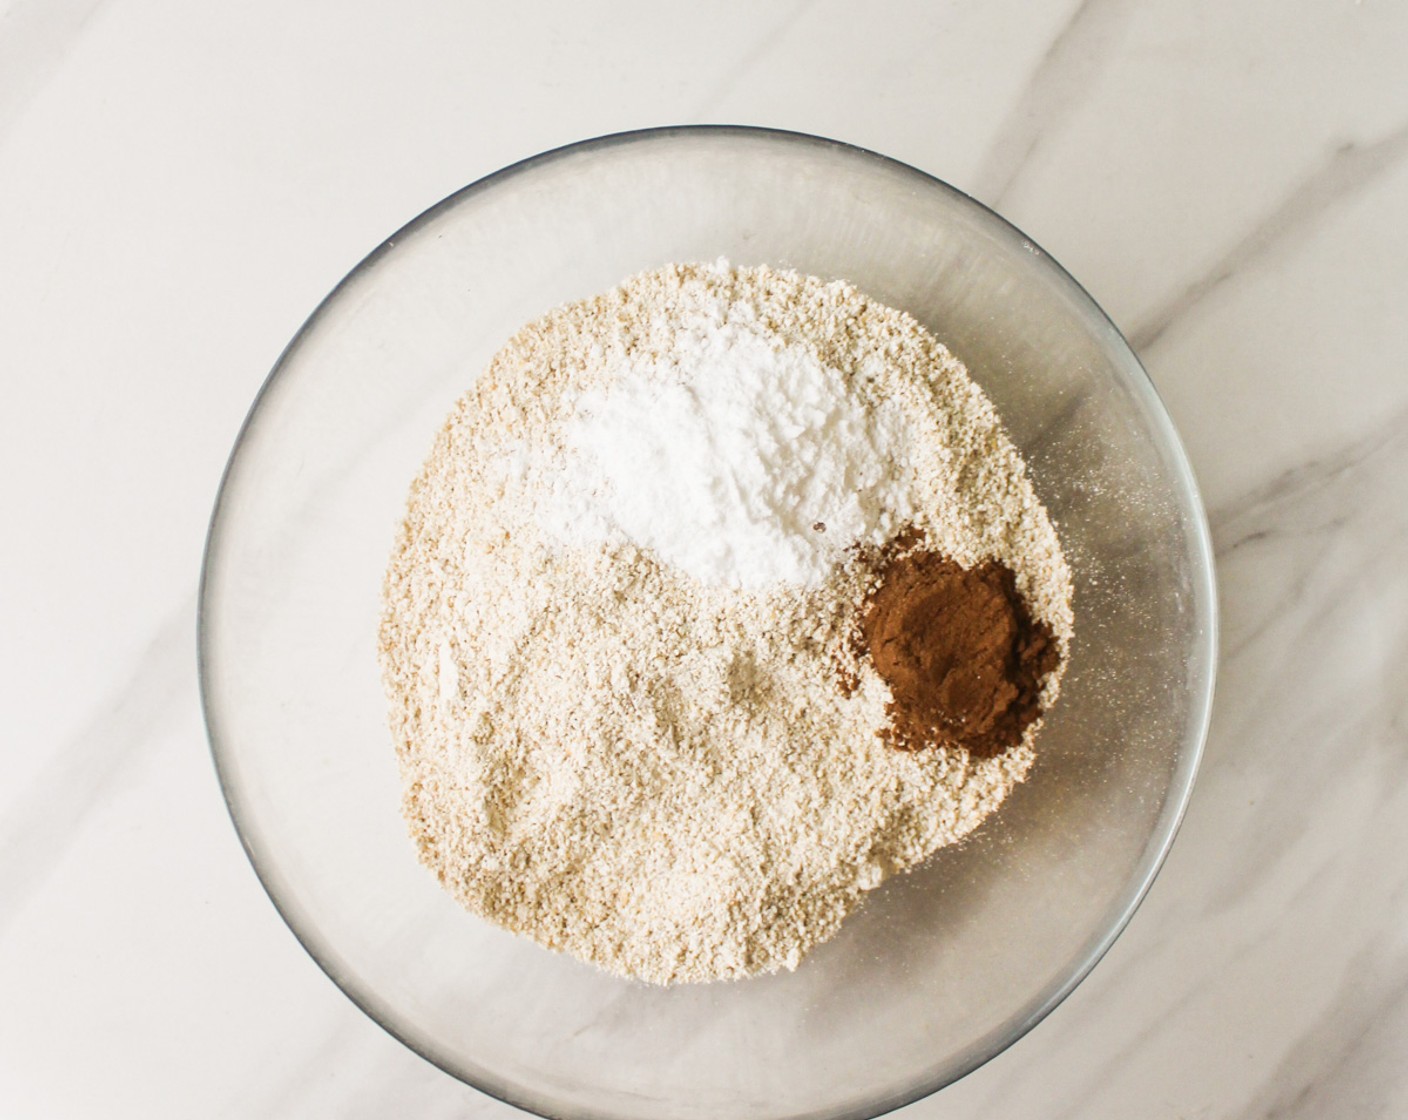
(82,772)
(1061,79)
(1232,521)
(1344,171)
(1111,1060)
(35,38)
(731,77)
(1330,539)
(1305,507)
(1302,558)
(287,1092)
(1346,1063)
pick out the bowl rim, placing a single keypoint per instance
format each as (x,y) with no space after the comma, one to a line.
(981,1050)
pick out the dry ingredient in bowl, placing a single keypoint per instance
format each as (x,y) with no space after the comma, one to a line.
(685,567)
(963,658)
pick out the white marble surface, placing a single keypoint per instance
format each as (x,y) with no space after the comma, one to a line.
(180,184)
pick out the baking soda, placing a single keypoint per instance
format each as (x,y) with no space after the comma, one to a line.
(738,458)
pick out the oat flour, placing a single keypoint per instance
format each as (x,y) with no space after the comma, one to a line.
(619,726)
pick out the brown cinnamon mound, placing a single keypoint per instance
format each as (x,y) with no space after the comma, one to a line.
(962,656)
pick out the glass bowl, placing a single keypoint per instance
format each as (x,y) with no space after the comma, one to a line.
(941,968)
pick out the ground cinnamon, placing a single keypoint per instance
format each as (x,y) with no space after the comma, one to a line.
(962,656)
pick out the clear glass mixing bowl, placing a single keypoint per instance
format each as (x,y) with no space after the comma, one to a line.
(942,968)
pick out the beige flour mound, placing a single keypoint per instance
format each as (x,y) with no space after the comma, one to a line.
(655,774)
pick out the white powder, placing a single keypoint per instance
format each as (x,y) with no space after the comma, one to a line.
(737,457)
(607,746)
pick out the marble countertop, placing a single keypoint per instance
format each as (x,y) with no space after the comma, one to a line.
(180,184)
